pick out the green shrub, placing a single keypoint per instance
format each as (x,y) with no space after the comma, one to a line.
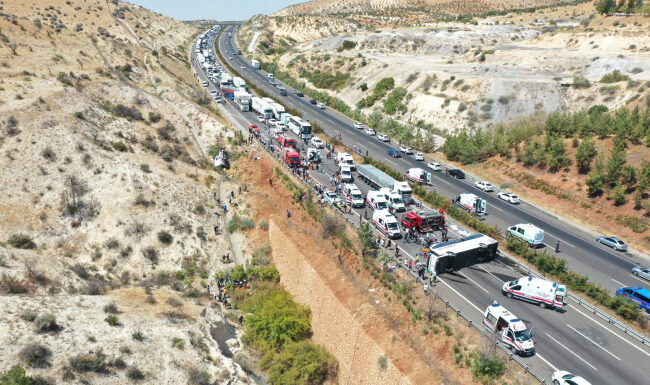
(300,363)
(21,241)
(178,343)
(165,237)
(486,367)
(35,355)
(91,362)
(614,77)
(264,273)
(347,44)
(46,323)
(112,320)
(135,374)
(15,376)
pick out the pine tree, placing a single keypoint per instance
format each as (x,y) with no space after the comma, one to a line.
(585,155)
(618,195)
(614,166)
(595,183)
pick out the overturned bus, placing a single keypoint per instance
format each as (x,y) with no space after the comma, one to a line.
(454,255)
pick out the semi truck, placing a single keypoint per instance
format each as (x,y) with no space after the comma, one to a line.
(285,141)
(256,64)
(379,179)
(424,221)
(509,329)
(536,290)
(239,82)
(278,110)
(243,100)
(290,156)
(470,202)
(459,253)
(260,106)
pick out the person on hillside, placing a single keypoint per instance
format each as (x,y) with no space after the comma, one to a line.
(288,213)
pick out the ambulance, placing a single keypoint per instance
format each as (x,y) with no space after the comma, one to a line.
(377,200)
(386,223)
(528,233)
(395,202)
(353,195)
(345,174)
(509,329)
(536,290)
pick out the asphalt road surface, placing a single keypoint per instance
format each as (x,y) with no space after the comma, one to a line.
(568,340)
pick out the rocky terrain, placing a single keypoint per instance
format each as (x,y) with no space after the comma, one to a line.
(106,221)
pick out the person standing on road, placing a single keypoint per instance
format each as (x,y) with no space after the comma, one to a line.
(426,289)
(557,247)
(433,278)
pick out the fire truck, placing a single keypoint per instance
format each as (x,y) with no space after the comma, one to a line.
(424,221)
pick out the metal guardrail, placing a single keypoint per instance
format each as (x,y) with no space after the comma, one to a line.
(610,320)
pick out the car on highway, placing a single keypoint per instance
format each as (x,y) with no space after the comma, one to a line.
(370,131)
(636,294)
(281,126)
(509,197)
(331,198)
(456,173)
(358,125)
(406,149)
(204,84)
(300,94)
(280,86)
(612,242)
(419,156)
(276,131)
(317,142)
(260,118)
(643,272)
(394,153)
(313,101)
(321,106)
(383,138)
(242,67)
(283,92)
(562,377)
(294,91)
(435,166)
(483,185)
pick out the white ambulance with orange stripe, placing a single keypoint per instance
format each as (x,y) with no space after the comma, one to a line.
(511,330)
(536,290)
(386,223)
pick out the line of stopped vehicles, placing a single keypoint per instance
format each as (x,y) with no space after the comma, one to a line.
(389,197)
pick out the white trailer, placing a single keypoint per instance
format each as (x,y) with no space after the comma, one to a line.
(243,100)
(536,290)
(239,82)
(470,202)
(260,106)
(278,109)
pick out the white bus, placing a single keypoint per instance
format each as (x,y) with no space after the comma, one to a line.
(300,127)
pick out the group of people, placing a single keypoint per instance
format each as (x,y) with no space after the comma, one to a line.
(430,238)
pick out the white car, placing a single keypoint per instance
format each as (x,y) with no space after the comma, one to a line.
(272,122)
(280,86)
(406,149)
(358,125)
(281,126)
(317,142)
(483,185)
(562,377)
(434,166)
(321,106)
(419,156)
(260,118)
(383,138)
(370,131)
(508,197)
(276,131)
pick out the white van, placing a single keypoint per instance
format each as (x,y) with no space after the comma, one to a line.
(531,234)
(509,329)
(536,290)
(345,174)
(346,159)
(386,223)
(377,200)
(394,200)
(353,195)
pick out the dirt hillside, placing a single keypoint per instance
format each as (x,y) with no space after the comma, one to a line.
(107,196)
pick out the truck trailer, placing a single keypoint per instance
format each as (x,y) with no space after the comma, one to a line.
(379,179)
(260,106)
(243,100)
(459,253)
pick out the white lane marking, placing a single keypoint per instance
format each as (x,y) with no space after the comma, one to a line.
(617,282)
(611,331)
(593,342)
(502,281)
(570,351)
(444,181)
(479,286)
(561,240)
(460,295)
(547,363)
(388,160)
(639,278)
(496,208)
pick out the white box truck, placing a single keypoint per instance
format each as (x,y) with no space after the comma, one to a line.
(256,64)
(239,82)
(243,100)
(470,202)
(528,233)
(260,106)
(386,223)
(509,329)
(536,290)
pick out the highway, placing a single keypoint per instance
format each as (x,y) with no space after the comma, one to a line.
(569,340)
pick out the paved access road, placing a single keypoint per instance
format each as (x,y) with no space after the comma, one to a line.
(570,340)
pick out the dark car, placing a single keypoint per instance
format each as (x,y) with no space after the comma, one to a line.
(283,92)
(300,94)
(313,101)
(394,153)
(456,173)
